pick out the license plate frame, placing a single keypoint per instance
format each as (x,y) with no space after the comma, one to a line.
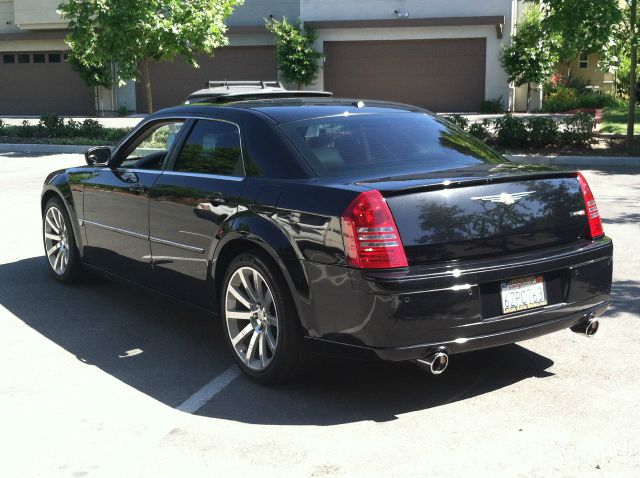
(522,294)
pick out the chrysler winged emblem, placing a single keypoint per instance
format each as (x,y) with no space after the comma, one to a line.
(504,198)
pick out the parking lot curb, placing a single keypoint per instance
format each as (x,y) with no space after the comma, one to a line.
(43,148)
(582,161)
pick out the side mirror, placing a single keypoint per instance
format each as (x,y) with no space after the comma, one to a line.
(99,155)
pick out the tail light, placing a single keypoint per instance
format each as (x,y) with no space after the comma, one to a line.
(595,228)
(370,234)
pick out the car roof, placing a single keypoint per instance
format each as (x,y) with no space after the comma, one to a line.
(286,110)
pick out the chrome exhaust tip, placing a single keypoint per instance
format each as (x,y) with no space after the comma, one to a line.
(588,328)
(436,363)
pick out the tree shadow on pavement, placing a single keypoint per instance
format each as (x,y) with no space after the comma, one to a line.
(624,297)
(169,350)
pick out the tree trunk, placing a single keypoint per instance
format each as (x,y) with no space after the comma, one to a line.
(633,83)
(528,97)
(300,86)
(146,81)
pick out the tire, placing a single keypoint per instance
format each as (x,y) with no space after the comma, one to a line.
(268,351)
(60,246)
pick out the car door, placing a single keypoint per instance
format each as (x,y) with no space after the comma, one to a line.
(116,203)
(191,201)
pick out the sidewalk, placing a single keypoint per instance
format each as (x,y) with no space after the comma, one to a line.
(120,122)
(582,161)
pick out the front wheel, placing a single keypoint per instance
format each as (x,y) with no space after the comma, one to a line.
(261,324)
(59,242)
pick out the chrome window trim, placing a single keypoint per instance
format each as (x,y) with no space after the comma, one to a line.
(135,170)
(203,175)
(137,235)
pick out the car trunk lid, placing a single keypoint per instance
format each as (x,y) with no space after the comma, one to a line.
(442,217)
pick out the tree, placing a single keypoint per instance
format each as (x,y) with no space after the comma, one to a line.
(609,27)
(633,76)
(131,33)
(297,60)
(531,57)
(581,26)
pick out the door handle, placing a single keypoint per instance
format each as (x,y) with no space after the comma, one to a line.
(138,189)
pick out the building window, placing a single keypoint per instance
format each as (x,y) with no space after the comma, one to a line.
(39,58)
(8,58)
(584,61)
(24,58)
(54,57)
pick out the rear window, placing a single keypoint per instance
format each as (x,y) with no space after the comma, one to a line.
(370,145)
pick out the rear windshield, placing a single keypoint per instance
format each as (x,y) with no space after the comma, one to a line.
(371,145)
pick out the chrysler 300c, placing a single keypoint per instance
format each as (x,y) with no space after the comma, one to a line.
(320,225)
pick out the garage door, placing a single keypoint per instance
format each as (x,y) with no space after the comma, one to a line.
(172,82)
(441,75)
(42,83)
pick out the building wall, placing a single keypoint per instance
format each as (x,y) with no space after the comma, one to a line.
(604,80)
(38,14)
(366,9)
(7,24)
(253,12)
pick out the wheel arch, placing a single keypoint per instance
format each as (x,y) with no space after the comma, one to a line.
(51,191)
(257,233)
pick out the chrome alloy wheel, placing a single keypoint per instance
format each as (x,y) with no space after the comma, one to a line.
(56,240)
(252,318)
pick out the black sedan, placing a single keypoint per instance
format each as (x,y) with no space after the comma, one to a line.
(317,225)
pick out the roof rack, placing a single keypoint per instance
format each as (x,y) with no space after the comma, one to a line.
(227,84)
(228,91)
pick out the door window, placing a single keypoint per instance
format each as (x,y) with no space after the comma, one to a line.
(213,147)
(149,151)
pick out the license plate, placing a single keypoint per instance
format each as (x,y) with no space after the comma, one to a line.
(523,293)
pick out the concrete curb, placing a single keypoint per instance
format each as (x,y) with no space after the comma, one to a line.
(585,161)
(43,148)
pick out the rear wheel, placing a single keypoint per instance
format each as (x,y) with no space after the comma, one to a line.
(59,242)
(261,325)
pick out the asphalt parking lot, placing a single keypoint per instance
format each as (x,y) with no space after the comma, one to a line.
(102,379)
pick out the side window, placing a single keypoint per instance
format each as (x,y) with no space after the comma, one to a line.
(213,147)
(149,150)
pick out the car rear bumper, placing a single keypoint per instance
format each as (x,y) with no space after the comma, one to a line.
(466,344)
(407,314)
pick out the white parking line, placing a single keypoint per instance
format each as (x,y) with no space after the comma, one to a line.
(196,401)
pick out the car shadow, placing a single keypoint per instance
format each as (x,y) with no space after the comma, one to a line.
(169,350)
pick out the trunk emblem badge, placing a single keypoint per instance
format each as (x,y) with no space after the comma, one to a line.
(504,198)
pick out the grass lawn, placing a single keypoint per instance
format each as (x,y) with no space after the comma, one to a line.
(614,120)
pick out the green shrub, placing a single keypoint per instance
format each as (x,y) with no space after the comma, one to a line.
(511,131)
(564,99)
(492,106)
(578,130)
(53,124)
(123,111)
(579,85)
(480,130)
(90,128)
(543,131)
(459,120)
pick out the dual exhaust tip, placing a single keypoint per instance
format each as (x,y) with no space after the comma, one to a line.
(438,362)
(588,328)
(435,363)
